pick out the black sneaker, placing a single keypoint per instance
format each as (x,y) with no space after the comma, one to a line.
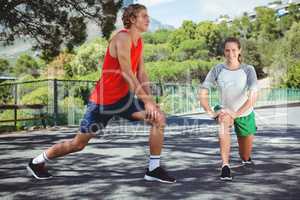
(248,162)
(39,171)
(158,174)
(226,174)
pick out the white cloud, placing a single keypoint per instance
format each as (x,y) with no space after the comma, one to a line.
(149,3)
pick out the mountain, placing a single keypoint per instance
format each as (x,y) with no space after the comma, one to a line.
(156,25)
(20,46)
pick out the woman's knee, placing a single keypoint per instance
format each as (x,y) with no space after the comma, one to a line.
(226,120)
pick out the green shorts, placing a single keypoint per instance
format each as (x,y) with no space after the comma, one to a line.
(245,126)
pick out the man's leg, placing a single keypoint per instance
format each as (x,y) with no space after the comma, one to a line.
(92,123)
(76,144)
(37,166)
(156,138)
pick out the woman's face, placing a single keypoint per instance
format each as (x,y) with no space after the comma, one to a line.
(232,52)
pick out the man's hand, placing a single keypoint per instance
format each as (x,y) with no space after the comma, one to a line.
(152,110)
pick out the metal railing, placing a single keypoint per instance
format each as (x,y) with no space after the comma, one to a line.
(66,100)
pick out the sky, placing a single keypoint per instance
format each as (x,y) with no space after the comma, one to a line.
(173,12)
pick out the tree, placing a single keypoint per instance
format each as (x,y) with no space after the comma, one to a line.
(55,22)
(189,28)
(4,66)
(88,58)
(293,12)
(187,31)
(242,27)
(60,66)
(285,22)
(292,79)
(252,56)
(25,64)
(213,37)
(265,24)
(286,59)
(292,42)
(158,52)
(158,37)
(191,49)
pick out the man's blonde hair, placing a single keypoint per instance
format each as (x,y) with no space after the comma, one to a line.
(130,12)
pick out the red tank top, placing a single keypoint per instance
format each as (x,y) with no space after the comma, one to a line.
(111,87)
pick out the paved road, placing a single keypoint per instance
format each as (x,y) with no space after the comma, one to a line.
(112,166)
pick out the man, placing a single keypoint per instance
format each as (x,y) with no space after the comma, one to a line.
(123,78)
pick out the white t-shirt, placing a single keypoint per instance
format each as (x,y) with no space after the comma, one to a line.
(233,85)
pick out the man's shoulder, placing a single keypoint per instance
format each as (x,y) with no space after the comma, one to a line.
(122,36)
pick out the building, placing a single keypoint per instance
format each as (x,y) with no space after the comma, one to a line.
(280,8)
(128,2)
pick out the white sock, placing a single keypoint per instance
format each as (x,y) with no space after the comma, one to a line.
(42,158)
(154,162)
(225,165)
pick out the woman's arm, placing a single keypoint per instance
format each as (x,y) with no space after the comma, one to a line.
(203,96)
(252,97)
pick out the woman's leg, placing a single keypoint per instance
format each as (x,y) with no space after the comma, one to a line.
(245,146)
(225,122)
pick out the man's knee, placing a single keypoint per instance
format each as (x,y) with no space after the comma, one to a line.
(160,121)
(78,146)
(80,141)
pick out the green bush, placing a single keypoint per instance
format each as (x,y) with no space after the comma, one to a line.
(37,96)
(171,71)
(158,52)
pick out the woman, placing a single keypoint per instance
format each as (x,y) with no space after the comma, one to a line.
(237,85)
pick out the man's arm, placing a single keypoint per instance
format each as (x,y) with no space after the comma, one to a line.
(143,77)
(123,42)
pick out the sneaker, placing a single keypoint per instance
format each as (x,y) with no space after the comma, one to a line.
(158,174)
(226,174)
(39,171)
(248,162)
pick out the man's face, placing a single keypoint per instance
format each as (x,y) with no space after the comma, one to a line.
(142,21)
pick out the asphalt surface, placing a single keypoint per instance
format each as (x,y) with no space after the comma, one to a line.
(112,166)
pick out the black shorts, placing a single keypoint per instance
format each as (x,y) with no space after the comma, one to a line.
(97,116)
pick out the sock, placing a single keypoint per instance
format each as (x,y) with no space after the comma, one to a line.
(225,165)
(42,158)
(154,162)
